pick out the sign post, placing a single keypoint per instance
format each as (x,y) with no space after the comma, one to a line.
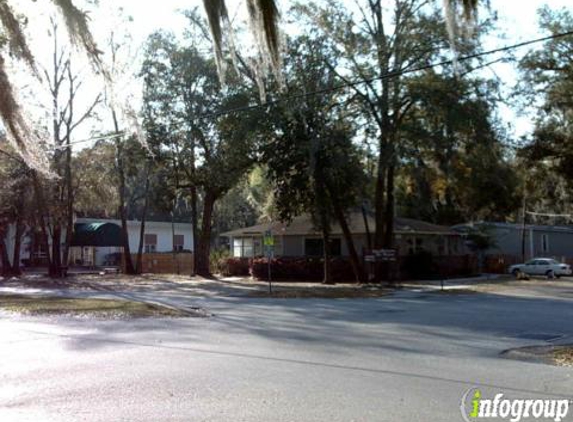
(386,257)
(269,242)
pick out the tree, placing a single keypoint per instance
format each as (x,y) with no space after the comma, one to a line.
(311,159)
(455,164)
(210,154)
(547,86)
(18,128)
(377,46)
(264,16)
(15,203)
(64,87)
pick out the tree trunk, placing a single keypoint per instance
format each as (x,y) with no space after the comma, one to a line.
(389,211)
(204,246)
(139,261)
(129,269)
(355,261)
(69,224)
(367,228)
(17,246)
(379,201)
(41,216)
(6,266)
(194,225)
(55,269)
(327,276)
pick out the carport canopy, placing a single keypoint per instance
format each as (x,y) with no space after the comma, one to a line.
(97,234)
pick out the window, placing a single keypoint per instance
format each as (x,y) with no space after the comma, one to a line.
(178,242)
(415,245)
(314,247)
(243,248)
(248,251)
(544,243)
(237,248)
(335,247)
(150,243)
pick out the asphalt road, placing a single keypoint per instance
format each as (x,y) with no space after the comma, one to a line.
(410,357)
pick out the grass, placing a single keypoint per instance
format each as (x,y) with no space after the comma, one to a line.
(455,292)
(563,356)
(99,308)
(320,292)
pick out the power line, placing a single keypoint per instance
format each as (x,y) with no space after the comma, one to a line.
(389,75)
(96,138)
(356,83)
(541,214)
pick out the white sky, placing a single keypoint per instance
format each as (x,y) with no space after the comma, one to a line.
(517,22)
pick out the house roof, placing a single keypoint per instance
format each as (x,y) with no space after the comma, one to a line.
(96,234)
(512,226)
(302,225)
(130,223)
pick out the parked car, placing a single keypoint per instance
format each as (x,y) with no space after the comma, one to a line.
(541,266)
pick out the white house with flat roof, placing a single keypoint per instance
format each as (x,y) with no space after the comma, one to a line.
(97,242)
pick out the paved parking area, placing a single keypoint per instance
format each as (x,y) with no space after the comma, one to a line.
(407,357)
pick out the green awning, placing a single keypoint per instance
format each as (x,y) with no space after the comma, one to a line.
(97,234)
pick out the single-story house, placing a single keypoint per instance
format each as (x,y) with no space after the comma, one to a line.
(97,242)
(511,239)
(299,238)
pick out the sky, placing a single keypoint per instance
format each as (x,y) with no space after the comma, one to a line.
(517,22)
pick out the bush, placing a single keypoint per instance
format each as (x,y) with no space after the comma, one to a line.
(301,269)
(217,260)
(236,267)
(417,266)
(423,265)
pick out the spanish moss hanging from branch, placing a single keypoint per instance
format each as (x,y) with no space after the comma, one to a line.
(263,19)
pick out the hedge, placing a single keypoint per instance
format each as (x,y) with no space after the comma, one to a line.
(301,269)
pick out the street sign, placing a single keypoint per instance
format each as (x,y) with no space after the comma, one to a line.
(384,255)
(269,240)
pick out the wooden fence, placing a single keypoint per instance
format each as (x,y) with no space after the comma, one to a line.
(167,263)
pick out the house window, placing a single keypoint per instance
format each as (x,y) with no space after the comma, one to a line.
(243,248)
(150,243)
(415,245)
(237,248)
(314,247)
(178,242)
(441,245)
(544,243)
(248,251)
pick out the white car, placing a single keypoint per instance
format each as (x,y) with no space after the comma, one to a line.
(541,266)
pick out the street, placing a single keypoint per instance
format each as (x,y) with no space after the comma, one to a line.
(407,357)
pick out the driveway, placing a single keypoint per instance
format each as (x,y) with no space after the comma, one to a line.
(407,357)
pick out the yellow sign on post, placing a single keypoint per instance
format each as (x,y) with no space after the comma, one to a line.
(269,239)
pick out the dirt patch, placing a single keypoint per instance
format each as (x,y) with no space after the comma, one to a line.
(321,292)
(563,356)
(553,355)
(85,307)
(455,292)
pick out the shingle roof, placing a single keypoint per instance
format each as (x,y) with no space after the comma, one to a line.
(513,226)
(302,225)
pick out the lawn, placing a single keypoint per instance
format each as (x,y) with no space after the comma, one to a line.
(99,308)
(306,291)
